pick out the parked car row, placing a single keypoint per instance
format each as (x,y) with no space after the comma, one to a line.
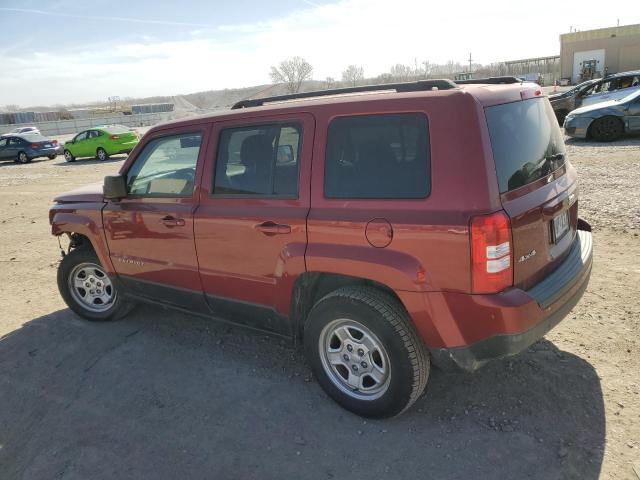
(613,87)
(24,144)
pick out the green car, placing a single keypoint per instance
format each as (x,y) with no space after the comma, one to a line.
(100,142)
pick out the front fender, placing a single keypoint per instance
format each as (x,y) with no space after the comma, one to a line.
(66,219)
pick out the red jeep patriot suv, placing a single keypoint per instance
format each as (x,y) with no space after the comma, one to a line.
(384,227)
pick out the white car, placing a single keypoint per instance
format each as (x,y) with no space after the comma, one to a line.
(21,130)
(613,87)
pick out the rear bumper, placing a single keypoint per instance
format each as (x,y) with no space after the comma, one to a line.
(507,323)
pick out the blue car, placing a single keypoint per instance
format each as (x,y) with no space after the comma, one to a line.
(23,148)
(606,121)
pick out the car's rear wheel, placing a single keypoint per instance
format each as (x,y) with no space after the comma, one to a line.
(23,158)
(51,157)
(101,154)
(68,156)
(365,352)
(606,129)
(87,289)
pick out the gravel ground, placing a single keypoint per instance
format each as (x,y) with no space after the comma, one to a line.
(162,394)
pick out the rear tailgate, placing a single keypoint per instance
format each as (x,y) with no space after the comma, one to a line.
(538,187)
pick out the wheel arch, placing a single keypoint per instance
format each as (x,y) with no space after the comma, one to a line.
(310,287)
(84,230)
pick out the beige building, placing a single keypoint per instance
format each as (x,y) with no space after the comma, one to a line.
(604,51)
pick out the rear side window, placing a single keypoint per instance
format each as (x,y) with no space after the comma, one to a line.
(258,160)
(526,140)
(378,156)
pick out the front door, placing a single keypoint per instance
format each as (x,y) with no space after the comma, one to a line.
(250,227)
(150,232)
(4,149)
(633,114)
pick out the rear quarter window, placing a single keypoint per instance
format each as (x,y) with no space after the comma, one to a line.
(378,156)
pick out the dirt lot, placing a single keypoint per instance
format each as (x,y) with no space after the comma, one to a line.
(164,395)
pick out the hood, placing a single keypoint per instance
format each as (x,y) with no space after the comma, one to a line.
(88,193)
(595,106)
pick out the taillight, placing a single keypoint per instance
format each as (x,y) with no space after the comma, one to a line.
(55,142)
(491,253)
(114,137)
(35,145)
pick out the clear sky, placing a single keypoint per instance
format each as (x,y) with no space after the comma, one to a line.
(63,51)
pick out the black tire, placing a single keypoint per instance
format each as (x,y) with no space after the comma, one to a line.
(68,156)
(76,259)
(51,157)
(561,115)
(606,129)
(101,154)
(22,158)
(384,317)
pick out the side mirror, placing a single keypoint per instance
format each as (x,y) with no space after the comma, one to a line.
(115,187)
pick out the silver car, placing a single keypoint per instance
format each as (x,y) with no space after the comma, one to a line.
(606,121)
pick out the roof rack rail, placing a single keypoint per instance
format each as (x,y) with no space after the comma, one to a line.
(490,80)
(418,86)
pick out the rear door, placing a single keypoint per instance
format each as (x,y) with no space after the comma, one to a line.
(537,185)
(250,227)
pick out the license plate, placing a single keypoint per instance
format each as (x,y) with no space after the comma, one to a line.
(560,226)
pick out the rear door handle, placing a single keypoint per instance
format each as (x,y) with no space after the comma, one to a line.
(170,221)
(272,228)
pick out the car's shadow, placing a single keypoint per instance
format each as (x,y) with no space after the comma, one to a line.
(61,162)
(626,141)
(35,161)
(165,395)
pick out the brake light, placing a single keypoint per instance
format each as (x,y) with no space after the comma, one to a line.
(491,253)
(35,145)
(55,142)
(114,137)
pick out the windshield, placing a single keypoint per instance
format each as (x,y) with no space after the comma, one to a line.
(630,97)
(526,141)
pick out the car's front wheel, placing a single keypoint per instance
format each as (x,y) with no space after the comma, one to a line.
(606,129)
(68,156)
(101,154)
(87,289)
(365,352)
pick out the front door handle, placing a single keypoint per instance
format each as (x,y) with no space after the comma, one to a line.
(170,221)
(272,228)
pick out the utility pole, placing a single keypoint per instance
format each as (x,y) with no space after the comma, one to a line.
(469,62)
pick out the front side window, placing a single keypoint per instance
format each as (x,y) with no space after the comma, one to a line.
(166,167)
(3,142)
(378,156)
(81,136)
(258,160)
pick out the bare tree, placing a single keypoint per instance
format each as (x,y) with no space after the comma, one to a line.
(11,108)
(402,73)
(292,73)
(353,75)
(329,82)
